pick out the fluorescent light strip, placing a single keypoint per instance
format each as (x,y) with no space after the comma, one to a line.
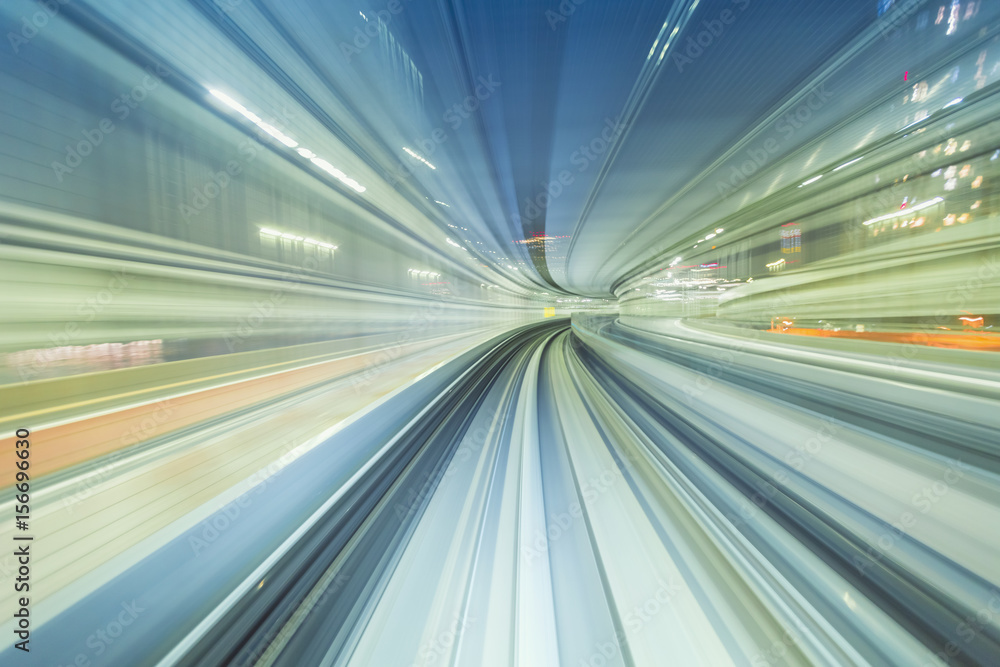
(906,211)
(255,119)
(295,237)
(419,157)
(811,180)
(338,174)
(249,115)
(849,163)
(278,134)
(288,141)
(912,124)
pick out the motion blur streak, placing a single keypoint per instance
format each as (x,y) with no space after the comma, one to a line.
(525,332)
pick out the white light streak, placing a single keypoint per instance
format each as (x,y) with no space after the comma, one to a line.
(905,211)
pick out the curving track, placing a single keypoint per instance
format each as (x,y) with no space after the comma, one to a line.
(602,495)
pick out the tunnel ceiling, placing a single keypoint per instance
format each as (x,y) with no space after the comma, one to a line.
(594,126)
(588,126)
(563,144)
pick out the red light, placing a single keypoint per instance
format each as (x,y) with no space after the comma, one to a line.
(906,76)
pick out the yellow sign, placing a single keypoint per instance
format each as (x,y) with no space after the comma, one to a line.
(550,312)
